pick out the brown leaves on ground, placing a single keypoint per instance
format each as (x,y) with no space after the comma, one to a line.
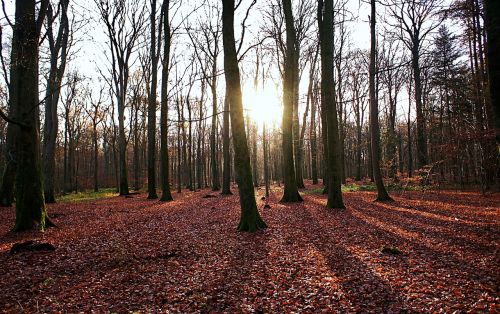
(121,255)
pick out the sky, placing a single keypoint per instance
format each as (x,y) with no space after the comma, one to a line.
(91,49)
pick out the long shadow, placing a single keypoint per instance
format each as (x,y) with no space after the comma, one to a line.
(243,274)
(453,198)
(365,290)
(443,258)
(418,258)
(425,226)
(427,215)
(454,206)
(80,259)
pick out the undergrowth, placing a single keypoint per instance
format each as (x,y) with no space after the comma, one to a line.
(89,195)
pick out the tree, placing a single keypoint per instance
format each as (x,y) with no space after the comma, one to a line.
(392,75)
(265,146)
(290,192)
(58,46)
(333,169)
(207,51)
(96,117)
(359,104)
(30,202)
(310,102)
(313,136)
(412,18)
(226,155)
(164,172)
(492,8)
(382,194)
(155,56)
(124,21)
(250,218)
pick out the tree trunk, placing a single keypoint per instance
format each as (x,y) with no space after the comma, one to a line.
(421,140)
(492,7)
(137,167)
(58,50)
(250,218)
(382,194)
(266,158)
(179,149)
(9,173)
(96,155)
(213,143)
(290,193)
(226,170)
(334,171)
(254,156)
(190,145)
(313,139)
(166,195)
(122,147)
(152,108)
(30,203)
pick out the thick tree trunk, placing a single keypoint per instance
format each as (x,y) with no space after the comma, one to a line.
(492,7)
(250,217)
(58,53)
(334,171)
(30,203)
(290,191)
(152,108)
(166,195)
(382,194)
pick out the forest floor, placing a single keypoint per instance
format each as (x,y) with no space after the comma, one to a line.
(132,254)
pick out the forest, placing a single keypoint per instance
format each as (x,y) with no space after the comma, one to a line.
(250,156)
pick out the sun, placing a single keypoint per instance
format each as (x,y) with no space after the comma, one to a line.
(263,105)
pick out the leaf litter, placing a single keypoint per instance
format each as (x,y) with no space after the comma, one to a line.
(425,252)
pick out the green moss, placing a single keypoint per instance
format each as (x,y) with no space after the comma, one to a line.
(88,195)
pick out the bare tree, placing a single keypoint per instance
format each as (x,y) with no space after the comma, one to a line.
(392,76)
(164,173)
(124,21)
(358,105)
(96,115)
(382,194)
(207,50)
(492,29)
(333,169)
(155,56)
(250,218)
(413,21)
(23,103)
(58,45)
(290,192)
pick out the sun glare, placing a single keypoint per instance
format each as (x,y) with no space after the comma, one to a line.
(263,105)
